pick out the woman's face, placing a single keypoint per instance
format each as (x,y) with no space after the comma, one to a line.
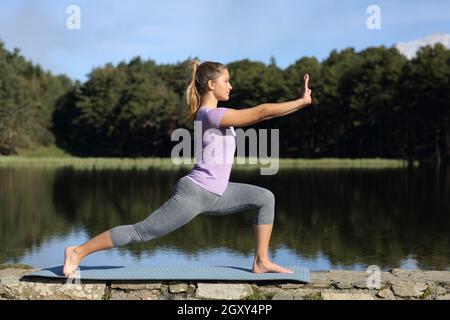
(222,86)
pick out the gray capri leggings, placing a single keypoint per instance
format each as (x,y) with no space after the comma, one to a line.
(189,200)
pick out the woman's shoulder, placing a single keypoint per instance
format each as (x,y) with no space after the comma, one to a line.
(211,115)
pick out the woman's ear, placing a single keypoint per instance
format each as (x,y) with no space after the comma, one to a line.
(211,84)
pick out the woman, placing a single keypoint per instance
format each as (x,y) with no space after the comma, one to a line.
(206,189)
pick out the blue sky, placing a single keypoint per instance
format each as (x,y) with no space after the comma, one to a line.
(221,30)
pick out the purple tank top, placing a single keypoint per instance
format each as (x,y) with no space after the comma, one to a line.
(213,161)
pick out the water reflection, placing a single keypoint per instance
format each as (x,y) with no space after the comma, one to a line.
(324,218)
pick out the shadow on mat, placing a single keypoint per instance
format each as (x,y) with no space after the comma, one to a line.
(57,271)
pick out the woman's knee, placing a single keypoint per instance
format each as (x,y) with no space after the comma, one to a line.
(123,235)
(267,198)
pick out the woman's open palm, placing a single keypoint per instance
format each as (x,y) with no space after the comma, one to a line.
(306,90)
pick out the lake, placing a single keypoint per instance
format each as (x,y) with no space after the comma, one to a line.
(325,218)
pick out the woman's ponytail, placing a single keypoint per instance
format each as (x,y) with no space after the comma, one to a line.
(192,94)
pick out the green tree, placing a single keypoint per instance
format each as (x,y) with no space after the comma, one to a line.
(372,103)
(120,111)
(27,101)
(299,129)
(332,113)
(424,104)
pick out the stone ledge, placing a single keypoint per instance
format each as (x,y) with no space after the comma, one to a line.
(329,285)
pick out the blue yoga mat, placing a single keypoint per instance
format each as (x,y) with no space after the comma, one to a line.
(223,273)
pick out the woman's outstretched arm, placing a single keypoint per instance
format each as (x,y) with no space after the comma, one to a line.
(265,111)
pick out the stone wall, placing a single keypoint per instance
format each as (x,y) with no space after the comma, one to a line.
(329,285)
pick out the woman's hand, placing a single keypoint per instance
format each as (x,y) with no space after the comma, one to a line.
(306,91)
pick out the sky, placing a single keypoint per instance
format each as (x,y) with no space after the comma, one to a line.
(171,31)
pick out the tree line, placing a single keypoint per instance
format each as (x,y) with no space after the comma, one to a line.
(372,103)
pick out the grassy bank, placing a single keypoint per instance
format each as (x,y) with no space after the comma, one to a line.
(51,156)
(166,163)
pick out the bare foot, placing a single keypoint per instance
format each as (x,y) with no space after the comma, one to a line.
(265,267)
(71,261)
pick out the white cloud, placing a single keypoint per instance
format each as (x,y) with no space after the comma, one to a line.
(410,48)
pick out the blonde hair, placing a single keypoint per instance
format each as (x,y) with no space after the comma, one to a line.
(200,73)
